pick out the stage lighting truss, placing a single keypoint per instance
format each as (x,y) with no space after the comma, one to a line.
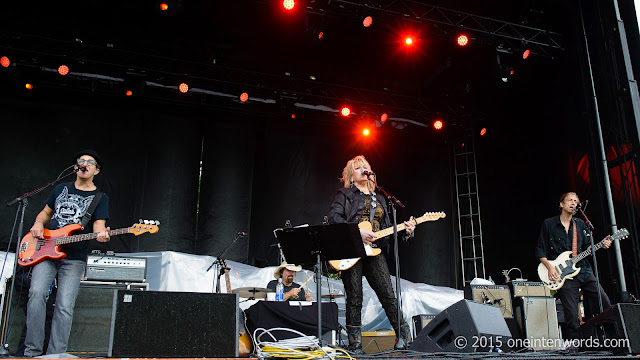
(485,30)
(112,71)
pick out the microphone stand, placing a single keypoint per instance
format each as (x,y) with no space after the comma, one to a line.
(221,269)
(23,201)
(392,203)
(593,255)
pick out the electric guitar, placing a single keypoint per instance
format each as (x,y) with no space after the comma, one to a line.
(565,265)
(345,264)
(32,250)
(244,341)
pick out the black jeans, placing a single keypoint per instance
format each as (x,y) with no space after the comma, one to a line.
(375,269)
(569,294)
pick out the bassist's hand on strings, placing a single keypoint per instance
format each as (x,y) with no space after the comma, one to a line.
(37,230)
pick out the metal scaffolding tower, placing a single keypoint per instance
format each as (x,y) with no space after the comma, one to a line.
(468,202)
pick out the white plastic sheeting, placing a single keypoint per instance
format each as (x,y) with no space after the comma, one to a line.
(174,271)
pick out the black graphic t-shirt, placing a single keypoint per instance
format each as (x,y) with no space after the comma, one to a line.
(69,206)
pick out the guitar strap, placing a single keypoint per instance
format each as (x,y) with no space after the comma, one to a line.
(91,209)
(574,243)
(372,208)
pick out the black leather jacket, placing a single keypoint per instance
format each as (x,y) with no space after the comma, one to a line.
(348,205)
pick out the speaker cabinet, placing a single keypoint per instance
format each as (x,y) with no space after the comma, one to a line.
(618,326)
(419,322)
(538,320)
(494,295)
(174,324)
(378,341)
(465,326)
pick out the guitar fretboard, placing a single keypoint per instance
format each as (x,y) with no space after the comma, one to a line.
(82,237)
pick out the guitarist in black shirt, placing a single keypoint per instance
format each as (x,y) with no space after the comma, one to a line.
(563,233)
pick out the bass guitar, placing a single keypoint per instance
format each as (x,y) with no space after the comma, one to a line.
(345,264)
(244,341)
(32,250)
(565,265)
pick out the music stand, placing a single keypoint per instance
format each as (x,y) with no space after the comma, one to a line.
(314,244)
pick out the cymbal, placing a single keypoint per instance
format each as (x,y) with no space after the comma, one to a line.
(252,292)
(332,295)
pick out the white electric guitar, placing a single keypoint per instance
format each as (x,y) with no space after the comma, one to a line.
(345,264)
(565,265)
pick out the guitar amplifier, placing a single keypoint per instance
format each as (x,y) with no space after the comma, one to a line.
(494,295)
(530,288)
(116,268)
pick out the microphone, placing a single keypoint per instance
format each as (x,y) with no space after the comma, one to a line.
(242,233)
(582,205)
(80,168)
(367,172)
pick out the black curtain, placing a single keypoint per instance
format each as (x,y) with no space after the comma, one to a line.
(257,172)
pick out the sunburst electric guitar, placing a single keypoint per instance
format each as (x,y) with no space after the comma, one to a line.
(33,250)
(565,265)
(345,264)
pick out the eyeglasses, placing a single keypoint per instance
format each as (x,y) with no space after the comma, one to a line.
(83,161)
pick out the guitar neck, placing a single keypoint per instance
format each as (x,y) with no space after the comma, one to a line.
(388,231)
(587,252)
(84,237)
(227,280)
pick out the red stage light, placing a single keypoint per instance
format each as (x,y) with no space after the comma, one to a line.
(128,92)
(463,40)
(483,131)
(526,54)
(244,97)
(164,6)
(293,116)
(28,86)
(345,111)
(408,41)
(384,118)
(183,88)
(321,35)
(63,70)
(367,21)
(288,4)
(366,132)
(5,62)
(438,124)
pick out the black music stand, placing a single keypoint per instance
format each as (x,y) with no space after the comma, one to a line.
(314,244)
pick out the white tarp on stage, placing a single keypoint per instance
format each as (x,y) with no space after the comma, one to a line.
(174,271)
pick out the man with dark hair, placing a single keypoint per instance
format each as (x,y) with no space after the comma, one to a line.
(67,204)
(292,290)
(563,233)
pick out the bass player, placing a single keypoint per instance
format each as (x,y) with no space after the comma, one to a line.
(67,204)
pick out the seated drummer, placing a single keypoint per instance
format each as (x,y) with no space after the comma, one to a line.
(292,291)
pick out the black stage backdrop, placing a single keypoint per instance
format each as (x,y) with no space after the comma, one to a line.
(256,174)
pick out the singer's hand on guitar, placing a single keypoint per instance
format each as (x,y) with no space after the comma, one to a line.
(606,242)
(410,226)
(367,236)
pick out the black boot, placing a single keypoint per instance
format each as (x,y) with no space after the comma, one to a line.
(355,340)
(403,336)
